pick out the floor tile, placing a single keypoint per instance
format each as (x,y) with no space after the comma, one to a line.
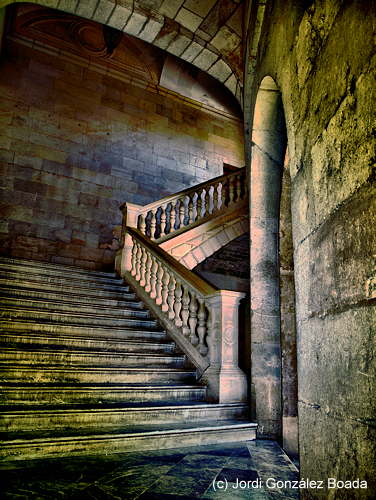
(175,474)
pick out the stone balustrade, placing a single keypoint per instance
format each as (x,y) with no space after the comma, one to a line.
(202,320)
(174,214)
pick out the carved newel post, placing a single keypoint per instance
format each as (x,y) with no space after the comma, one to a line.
(227,383)
(123,258)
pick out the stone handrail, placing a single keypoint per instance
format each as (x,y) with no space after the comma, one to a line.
(173,214)
(202,320)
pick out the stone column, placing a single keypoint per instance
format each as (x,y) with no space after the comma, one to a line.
(123,256)
(268,150)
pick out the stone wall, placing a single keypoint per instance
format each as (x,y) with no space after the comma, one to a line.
(75,144)
(321,56)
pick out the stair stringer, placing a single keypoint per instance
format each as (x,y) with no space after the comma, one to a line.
(194,244)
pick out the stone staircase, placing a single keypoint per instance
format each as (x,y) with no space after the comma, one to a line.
(86,369)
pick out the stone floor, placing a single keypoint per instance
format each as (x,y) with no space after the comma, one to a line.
(226,471)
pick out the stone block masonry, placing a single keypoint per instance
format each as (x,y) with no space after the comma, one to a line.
(75,144)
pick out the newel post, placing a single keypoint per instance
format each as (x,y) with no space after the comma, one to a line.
(123,259)
(227,383)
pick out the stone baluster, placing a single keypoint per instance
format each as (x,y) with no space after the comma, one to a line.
(138,262)
(224,193)
(201,328)
(190,209)
(238,189)
(193,320)
(144,257)
(215,197)
(153,278)
(206,202)
(178,304)
(199,204)
(163,220)
(153,224)
(134,258)
(173,217)
(231,195)
(165,283)
(185,312)
(181,212)
(171,297)
(142,223)
(158,287)
(149,263)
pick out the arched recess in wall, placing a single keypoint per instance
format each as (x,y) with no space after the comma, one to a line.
(269,143)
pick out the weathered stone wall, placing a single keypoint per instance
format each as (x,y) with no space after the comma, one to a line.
(321,56)
(75,144)
(288,323)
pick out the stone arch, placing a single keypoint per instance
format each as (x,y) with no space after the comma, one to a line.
(175,35)
(266,170)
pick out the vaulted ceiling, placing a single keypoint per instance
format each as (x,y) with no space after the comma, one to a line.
(107,49)
(205,33)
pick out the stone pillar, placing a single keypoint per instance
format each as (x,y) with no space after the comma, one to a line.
(268,151)
(227,383)
(123,256)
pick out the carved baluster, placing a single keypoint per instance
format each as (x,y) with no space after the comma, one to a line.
(153,224)
(238,188)
(181,212)
(201,329)
(199,204)
(173,217)
(163,220)
(153,278)
(224,193)
(164,294)
(206,203)
(190,209)
(158,287)
(143,260)
(178,305)
(138,262)
(142,223)
(171,297)
(134,257)
(185,312)
(231,191)
(215,197)
(193,320)
(148,265)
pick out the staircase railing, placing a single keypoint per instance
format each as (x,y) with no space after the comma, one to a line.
(202,320)
(174,214)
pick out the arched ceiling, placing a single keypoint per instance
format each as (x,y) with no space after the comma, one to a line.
(205,33)
(124,56)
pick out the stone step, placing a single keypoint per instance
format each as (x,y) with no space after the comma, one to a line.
(58,282)
(131,333)
(33,315)
(9,269)
(38,264)
(116,416)
(17,339)
(65,297)
(11,303)
(31,394)
(69,358)
(26,284)
(95,375)
(138,439)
